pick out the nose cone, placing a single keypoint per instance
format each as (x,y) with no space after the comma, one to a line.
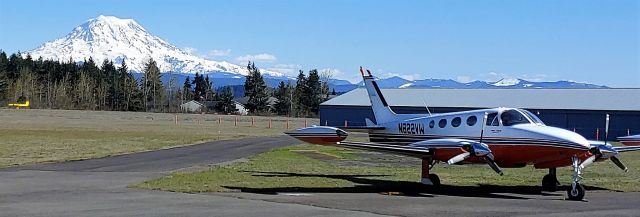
(556,134)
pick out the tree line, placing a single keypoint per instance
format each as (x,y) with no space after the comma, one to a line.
(88,85)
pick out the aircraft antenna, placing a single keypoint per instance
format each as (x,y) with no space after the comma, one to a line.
(425,106)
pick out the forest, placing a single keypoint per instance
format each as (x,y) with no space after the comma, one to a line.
(88,85)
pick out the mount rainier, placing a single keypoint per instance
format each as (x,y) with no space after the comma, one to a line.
(112,38)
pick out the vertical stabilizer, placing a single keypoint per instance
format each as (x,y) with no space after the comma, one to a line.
(381,109)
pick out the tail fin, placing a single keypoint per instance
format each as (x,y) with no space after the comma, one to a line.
(381,109)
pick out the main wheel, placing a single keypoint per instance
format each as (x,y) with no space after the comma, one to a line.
(577,194)
(549,183)
(434,179)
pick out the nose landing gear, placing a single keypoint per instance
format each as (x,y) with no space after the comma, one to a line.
(577,191)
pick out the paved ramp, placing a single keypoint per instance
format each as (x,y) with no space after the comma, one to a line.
(98,187)
(172,159)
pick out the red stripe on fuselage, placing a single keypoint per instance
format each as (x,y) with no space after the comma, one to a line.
(518,155)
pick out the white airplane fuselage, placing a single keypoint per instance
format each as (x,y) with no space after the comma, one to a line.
(513,145)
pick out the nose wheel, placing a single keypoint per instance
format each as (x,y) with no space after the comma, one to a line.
(576,192)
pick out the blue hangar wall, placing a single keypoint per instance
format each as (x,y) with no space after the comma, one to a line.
(588,123)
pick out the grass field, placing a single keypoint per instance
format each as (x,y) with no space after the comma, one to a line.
(312,168)
(35,136)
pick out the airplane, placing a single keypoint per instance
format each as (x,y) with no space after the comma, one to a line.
(499,137)
(18,105)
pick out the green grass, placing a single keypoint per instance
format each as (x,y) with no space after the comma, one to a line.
(36,136)
(290,169)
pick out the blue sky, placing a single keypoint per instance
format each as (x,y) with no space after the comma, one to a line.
(586,41)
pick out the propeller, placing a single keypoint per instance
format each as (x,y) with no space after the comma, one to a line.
(604,151)
(478,149)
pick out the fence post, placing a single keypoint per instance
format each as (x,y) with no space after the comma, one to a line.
(326,123)
(252,121)
(219,120)
(305,122)
(597,133)
(345,123)
(176,119)
(269,123)
(287,124)
(235,122)
(628,132)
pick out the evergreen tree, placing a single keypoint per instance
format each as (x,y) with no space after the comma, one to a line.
(200,87)
(283,95)
(152,86)
(256,89)
(123,93)
(4,79)
(107,86)
(314,91)
(225,103)
(299,98)
(187,92)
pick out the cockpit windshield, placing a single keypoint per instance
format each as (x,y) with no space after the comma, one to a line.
(513,117)
(531,116)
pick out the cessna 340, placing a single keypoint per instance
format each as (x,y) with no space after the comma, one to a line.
(499,137)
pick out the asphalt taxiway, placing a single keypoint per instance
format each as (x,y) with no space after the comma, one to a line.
(98,187)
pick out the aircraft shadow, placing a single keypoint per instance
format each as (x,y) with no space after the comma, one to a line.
(365,184)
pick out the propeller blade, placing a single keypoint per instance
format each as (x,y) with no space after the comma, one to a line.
(458,158)
(492,164)
(588,161)
(619,163)
(606,129)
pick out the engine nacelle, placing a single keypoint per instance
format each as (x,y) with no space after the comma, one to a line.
(321,135)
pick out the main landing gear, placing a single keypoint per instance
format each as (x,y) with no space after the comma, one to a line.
(427,178)
(576,192)
(550,181)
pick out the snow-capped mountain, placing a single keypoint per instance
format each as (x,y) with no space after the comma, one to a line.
(112,38)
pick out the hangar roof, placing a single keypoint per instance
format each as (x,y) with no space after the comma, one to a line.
(620,99)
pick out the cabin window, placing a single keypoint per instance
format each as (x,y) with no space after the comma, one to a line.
(472,120)
(442,123)
(492,119)
(456,122)
(431,124)
(513,117)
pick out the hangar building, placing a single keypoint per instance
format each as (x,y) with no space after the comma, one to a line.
(580,110)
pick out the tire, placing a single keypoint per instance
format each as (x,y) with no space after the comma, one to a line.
(549,183)
(578,194)
(434,179)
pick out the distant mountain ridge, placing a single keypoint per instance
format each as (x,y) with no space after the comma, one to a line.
(397,82)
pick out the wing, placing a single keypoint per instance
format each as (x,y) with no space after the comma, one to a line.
(617,148)
(627,148)
(419,149)
(419,152)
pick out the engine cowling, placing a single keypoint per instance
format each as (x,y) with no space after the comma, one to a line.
(321,135)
